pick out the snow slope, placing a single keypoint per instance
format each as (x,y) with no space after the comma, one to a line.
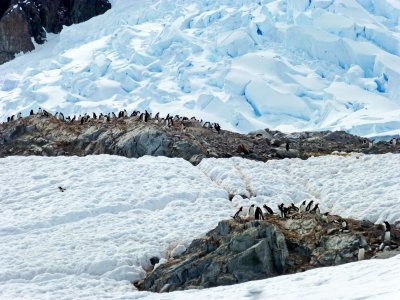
(91,240)
(283,64)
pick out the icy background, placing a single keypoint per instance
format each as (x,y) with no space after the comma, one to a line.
(90,241)
(282,64)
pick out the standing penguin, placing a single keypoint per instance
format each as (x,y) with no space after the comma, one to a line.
(386,237)
(236,215)
(251,210)
(287,146)
(361,253)
(31,112)
(281,212)
(258,214)
(316,209)
(302,207)
(393,142)
(268,209)
(309,205)
(19,115)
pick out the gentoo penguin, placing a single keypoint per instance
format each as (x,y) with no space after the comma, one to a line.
(19,115)
(316,209)
(82,120)
(293,208)
(302,207)
(217,128)
(393,142)
(73,119)
(386,238)
(61,117)
(287,146)
(114,116)
(56,115)
(68,119)
(238,212)
(94,116)
(8,119)
(251,210)
(361,253)
(268,209)
(157,116)
(281,211)
(125,114)
(258,214)
(12,118)
(31,112)
(40,111)
(309,205)
(343,224)
(324,217)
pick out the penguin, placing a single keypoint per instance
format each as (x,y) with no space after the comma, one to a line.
(251,210)
(82,120)
(293,208)
(361,253)
(324,217)
(40,111)
(309,205)
(94,116)
(236,215)
(343,224)
(281,212)
(146,116)
(302,207)
(61,117)
(19,115)
(386,237)
(68,119)
(114,116)
(287,146)
(31,112)
(370,144)
(8,119)
(268,209)
(108,118)
(56,115)
(141,117)
(316,209)
(393,142)
(217,128)
(73,119)
(157,116)
(12,118)
(258,214)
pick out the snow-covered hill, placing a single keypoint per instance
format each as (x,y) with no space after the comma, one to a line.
(283,64)
(116,213)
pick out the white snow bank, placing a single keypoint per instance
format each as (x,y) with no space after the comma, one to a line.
(116,213)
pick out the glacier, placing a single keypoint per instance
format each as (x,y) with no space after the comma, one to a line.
(289,65)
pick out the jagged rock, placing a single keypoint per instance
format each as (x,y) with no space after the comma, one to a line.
(130,137)
(20,21)
(238,252)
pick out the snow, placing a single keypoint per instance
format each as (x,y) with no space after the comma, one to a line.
(289,65)
(116,213)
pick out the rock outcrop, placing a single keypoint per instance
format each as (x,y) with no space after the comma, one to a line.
(258,249)
(20,21)
(130,137)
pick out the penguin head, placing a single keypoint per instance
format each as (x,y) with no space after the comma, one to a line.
(252,205)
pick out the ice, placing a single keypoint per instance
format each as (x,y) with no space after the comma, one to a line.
(264,64)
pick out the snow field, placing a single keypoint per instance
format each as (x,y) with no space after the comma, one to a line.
(116,213)
(283,64)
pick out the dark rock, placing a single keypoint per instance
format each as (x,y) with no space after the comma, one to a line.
(22,20)
(238,252)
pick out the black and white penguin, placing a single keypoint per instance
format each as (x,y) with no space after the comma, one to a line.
(12,118)
(287,146)
(114,116)
(19,115)
(316,209)
(40,111)
(343,224)
(361,253)
(268,209)
(282,212)
(94,116)
(293,208)
(61,117)
(258,215)
(73,119)
(217,128)
(157,116)
(236,215)
(251,210)
(386,237)
(56,115)
(309,205)
(8,119)
(324,217)
(68,119)
(31,112)
(82,121)
(302,207)
(125,114)
(393,142)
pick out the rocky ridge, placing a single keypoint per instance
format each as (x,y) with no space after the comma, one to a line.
(21,21)
(131,137)
(236,252)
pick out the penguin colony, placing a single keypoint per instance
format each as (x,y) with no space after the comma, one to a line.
(257,213)
(111,117)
